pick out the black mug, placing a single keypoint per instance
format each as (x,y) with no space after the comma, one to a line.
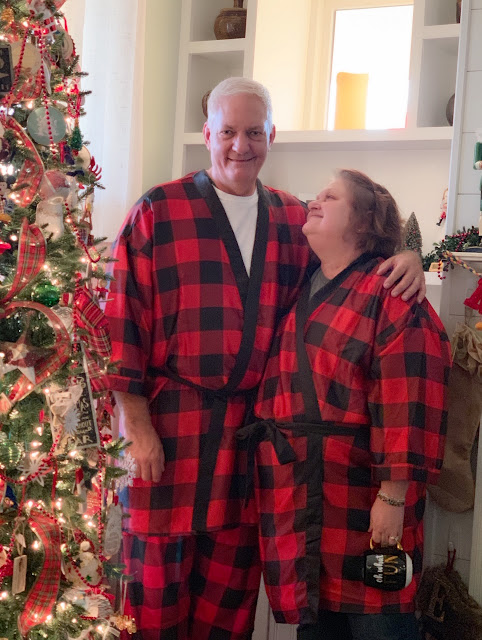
(387,568)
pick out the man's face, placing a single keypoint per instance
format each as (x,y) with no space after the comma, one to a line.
(238,140)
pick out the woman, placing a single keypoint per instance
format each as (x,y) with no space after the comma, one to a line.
(353,414)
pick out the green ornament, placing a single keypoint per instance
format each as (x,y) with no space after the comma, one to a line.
(75,141)
(10,454)
(47,294)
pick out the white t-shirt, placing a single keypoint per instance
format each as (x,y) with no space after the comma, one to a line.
(242,212)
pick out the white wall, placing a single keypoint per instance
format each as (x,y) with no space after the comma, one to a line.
(416,179)
(163,22)
(280,57)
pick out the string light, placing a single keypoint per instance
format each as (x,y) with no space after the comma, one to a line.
(36,545)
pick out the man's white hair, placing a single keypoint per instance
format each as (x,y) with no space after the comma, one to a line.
(233,86)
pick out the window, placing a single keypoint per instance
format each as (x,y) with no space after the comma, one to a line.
(374,41)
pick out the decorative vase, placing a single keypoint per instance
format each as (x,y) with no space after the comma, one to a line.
(231,23)
(458,9)
(449,111)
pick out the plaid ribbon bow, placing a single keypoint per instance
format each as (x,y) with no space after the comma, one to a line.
(31,258)
(43,595)
(94,326)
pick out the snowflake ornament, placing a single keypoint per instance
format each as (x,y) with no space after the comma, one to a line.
(32,466)
(128,463)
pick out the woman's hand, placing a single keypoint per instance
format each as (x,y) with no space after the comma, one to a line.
(407,272)
(386,523)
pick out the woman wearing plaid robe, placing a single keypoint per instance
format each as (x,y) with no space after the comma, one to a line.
(353,403)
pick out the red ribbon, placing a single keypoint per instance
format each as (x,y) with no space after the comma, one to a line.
(31,258)
(42,598)
(32,170)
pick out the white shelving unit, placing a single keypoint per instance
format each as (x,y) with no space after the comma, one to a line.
(205,61)
(433,68)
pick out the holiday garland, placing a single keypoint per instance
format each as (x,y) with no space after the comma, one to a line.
(459,241)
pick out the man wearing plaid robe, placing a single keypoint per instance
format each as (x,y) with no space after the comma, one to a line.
(354,393)
(192,333)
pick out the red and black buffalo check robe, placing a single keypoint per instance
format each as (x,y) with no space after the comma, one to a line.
(192,333)
(354,393)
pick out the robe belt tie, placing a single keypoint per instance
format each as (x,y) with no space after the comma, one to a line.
(256,433)
(264,430)
(210,448)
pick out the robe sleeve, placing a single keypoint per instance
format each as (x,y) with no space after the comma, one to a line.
(130,305)
(407,394)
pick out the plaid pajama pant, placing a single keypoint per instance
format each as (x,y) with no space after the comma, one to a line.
(202,586)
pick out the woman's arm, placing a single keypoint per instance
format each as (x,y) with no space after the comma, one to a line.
(386,520)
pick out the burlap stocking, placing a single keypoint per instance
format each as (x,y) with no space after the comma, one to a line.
(455,489)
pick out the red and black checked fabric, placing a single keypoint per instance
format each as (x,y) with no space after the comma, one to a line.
(178,307)
(380,368)
(203,587)
(30,260)
(43,595)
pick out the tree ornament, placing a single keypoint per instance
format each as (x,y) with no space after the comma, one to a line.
(85,570)
(10,454)
(46,130)
(51,213)
(412,238)
(6,66)
(7,15)
(46,293)
(113,530)
(75,140)
(54,184)
(31,60)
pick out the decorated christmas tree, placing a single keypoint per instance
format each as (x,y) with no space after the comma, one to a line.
(60,520)
(412,237)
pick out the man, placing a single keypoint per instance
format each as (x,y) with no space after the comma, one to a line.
(207,266)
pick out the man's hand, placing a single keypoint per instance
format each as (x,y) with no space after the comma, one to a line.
(146,446)
(406,271)
(147,450)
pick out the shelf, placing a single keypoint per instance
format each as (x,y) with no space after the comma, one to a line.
(468,256)
(208,47)
(441,31)
(421,138)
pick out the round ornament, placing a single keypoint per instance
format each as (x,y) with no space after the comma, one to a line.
(31,60)
(38,126)
(46,293)
(67,46)
(84,157)
(10,454)
(88,571)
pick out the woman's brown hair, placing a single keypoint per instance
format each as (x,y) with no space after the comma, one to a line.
(375,216)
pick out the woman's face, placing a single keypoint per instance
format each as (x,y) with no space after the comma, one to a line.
(328,224)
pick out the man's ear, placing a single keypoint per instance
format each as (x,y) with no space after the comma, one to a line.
(272,135)
(207,135)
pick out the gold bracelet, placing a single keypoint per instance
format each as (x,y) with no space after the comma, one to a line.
(394,502)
